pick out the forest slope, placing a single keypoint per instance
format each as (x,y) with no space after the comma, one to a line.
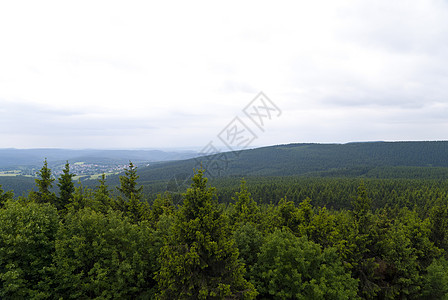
(375,159)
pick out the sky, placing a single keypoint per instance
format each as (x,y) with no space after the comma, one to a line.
(188,74)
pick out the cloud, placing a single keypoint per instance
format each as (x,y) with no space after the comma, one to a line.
(174,74)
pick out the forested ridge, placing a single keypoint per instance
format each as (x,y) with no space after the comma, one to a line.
(289,238)
(375,159)
(401,160)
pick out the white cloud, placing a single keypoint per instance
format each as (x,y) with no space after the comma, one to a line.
(173,73)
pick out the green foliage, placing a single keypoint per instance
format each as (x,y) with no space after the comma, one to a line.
(137,210)
(295,268)
(245,208)
(435,282)
(82,197)
(27,242)
(103,256)
(361,209)
(325,239)
(200,260)
(44,184)
(102,195)
(399,267)
(162,205)
(438,222)
(128,183)
(66,186)
(249,240)
(414,160)
(5,196)
(129,200)
(288,215)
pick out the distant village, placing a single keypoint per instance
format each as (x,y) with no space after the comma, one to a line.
(90,168)
(77,168)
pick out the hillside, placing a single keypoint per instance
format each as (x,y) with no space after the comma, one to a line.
(412,160)
(34,157)
(375,159)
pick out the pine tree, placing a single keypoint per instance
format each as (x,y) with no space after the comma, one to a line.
(137,210)
(361,209)
(44,183)
(102,195)
(66,186)
(162,205)
(128,183)
(200,260)
(245,208)
(128,188)
(361,260)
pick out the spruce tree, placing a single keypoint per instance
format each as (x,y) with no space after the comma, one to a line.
(128,188)
(245,209)
(200,260)
(102,195)
(44,184)
(162,205)
(66,186)
(128,183)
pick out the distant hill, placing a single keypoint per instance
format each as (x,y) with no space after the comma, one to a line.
(34,157)
(412,160)
(373,159)
(19,162)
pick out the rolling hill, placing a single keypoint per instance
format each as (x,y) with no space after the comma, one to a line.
(411,160)
(373,159)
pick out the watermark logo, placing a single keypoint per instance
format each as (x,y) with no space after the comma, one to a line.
(260,109)
(236,136)
(179,183)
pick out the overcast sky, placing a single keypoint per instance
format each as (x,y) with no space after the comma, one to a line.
(141,74)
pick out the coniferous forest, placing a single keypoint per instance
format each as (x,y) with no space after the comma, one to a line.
(284,238)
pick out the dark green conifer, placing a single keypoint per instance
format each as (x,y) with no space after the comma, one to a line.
(66,186)
(44,184)
(200,260)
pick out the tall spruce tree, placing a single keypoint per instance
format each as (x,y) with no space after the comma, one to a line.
(66,186)
(200,260)
(102,195)
(245,209)
(128,188)
(44,184)
(128,183)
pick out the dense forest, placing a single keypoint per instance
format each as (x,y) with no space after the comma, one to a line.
(259,238)
(372,160)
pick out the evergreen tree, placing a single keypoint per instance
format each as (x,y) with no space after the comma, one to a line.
(103,257)
(44,184)
(82,197)
(359,244)
(435,282)
(128,187)
(128,183)
(245,208)
(162,205)
(295,268)
(5,196)
(66,186)
(27,243)
(102,195)
(200,260)
(438,219)
(137,210)
(361,208)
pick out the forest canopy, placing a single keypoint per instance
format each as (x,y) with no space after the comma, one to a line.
(308,238)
